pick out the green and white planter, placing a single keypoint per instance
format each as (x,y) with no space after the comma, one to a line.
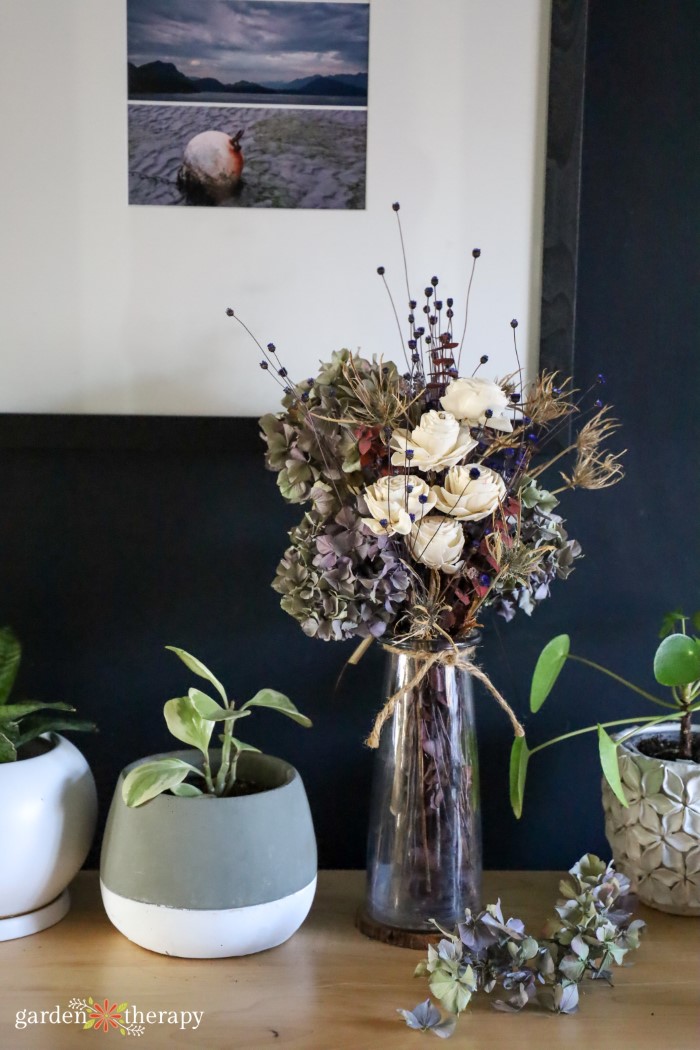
(656,840)
(206,878)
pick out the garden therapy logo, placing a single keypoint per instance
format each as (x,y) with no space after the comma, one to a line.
(109,1016)
(104,1016)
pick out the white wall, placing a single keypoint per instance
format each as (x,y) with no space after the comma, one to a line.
(111,308)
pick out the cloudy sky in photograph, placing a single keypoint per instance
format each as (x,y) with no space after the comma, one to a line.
(258,40)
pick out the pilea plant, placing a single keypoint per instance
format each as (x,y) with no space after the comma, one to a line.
(192,719)
(676,665)
(592,930)
(25,720)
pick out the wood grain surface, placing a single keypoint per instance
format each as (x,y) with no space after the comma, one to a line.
(330,988)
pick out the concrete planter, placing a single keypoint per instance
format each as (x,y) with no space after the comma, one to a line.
(656,841)
(48,808)
(205,878)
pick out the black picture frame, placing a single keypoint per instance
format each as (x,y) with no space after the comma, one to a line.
(569,20)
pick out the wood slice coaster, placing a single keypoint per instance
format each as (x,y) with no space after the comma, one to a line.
(381,931)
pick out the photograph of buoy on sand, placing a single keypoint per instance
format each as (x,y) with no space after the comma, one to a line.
(247,103)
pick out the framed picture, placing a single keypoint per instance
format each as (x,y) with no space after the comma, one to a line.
(115,322)
(248,104)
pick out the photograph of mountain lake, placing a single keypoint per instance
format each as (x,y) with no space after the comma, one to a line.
(247,103)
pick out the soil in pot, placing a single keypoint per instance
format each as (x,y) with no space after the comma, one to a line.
(34,748)
(667,748)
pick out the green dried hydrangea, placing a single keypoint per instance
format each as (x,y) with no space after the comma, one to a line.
(539,527)
(304,450)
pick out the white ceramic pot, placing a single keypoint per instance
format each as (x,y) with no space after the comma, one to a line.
(655,840)
(48,809)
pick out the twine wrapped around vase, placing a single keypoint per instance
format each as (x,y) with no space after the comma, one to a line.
(450,657)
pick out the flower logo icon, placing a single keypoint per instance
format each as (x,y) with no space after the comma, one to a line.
(105,1016)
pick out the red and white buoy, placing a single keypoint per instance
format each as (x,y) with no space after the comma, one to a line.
(211,165)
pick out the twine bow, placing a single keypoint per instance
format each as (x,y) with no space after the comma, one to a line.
(450,658)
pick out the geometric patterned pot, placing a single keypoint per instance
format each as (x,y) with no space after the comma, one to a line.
(656,841)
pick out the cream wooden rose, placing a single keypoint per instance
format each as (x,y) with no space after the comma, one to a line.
(470,493)
(437,541)
(392,501)
(439,441)
(470,399)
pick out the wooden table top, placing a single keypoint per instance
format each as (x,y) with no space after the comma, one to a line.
(330,988)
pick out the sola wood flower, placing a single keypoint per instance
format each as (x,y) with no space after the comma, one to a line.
(470,493)
(478,402)
(437,442)
(394,502)
(437,541)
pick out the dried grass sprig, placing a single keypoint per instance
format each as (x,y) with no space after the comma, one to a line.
(380,405)
(594,468)
(550,397)
(597,430)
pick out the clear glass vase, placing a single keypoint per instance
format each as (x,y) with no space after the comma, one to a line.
(424,845)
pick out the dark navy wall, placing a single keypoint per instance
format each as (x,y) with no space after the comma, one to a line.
(108,554)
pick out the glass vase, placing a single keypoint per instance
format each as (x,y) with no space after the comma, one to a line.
(424,844)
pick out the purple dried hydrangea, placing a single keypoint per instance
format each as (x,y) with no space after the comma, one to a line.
(339,580)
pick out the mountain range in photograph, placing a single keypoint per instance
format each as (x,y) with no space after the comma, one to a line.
(164,78)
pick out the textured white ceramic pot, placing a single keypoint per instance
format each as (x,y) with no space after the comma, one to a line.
(656,839)
(48,809)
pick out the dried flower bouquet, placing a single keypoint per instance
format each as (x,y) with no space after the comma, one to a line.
(422,481)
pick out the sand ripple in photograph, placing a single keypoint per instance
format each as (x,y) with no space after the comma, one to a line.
(292,158)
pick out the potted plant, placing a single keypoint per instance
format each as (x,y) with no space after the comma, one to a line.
(651,772)
(48,804)
(210,853)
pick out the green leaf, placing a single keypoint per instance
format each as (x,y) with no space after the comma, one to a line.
(206,707)
(121,1008)
(153,778)
(186,725)
(278,702)
(696,620)
(10,655)
(199,669)
(607,749)
(547,669)
(89,1024)
(677,660)
(11,712)
(186,791)
(8,751)
(519,757)
(454,992)
(241,746)
(34,725)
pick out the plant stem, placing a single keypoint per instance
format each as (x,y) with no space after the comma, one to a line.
(686,729)
(617,722)
(685,749)
(232,771)
(619,678)
(208,776)
(655,721)
(222,775)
